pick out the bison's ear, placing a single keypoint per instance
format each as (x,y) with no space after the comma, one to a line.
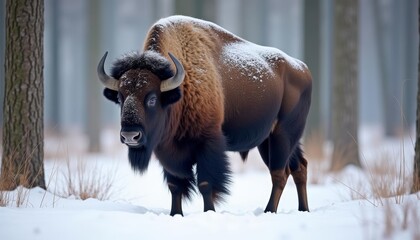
(170,97)
(111,95)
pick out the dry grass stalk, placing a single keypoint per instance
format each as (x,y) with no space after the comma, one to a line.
(314,145)
(402,217)
(389,178)
(314,149)
(4,198)
(17,198)
(53,173)
(389,182)
(343,156)
(358,192)
(386,178)
(21,194)
(87,183)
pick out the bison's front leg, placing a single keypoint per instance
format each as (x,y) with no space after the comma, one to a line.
(207,191)
(213,174)
(176,206)
(179,187)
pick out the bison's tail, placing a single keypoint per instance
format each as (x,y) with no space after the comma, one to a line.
(244,155)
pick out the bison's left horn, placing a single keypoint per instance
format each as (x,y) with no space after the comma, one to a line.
(176,80)
(107,81)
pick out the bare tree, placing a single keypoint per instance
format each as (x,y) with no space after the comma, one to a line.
(23,129)
(94,96)
(312,56)
(2,48)
(345,85)
(416,174)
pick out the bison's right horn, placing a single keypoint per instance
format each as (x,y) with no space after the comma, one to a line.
(176,80)
(107,81)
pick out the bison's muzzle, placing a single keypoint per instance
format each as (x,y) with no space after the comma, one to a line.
(133,138)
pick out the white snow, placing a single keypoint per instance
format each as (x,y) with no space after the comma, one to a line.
(246,55)
(249,62)
(277,54)
(139,208)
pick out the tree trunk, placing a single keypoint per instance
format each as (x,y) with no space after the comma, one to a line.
(2,50)
(54,90)
(345,85)
(23,130)
(94,93)
(416,173)
(387,48)
(314,132)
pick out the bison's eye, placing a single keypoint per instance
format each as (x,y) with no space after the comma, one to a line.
(151,102)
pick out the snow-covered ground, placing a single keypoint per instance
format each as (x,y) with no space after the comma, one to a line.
(139,208)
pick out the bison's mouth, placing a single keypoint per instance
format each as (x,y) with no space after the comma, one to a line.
(134,145)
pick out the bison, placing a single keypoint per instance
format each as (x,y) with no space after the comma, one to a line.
(197,91)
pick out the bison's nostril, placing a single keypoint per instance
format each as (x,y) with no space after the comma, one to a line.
(137,137)
(131,137)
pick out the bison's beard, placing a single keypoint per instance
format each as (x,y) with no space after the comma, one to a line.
(139,158)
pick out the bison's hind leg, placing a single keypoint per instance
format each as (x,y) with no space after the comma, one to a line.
(278,152)
(298,167)
(213,173)
(284,155)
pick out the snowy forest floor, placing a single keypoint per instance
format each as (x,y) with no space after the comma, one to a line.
(373,203)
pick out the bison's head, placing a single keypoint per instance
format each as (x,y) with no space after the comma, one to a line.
(144,85)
